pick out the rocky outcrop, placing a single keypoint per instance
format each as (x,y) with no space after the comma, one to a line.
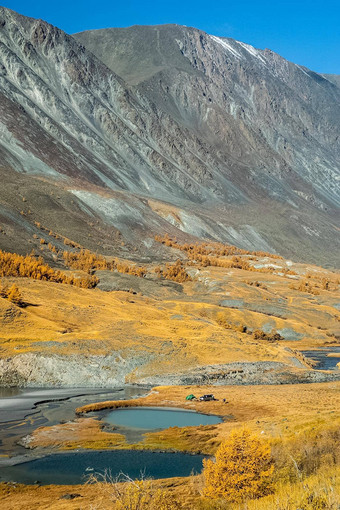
(34,370)
(38,370)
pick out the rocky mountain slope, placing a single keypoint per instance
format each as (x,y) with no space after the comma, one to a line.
(151,129)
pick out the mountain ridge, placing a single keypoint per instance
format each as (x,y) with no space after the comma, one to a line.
(227,133)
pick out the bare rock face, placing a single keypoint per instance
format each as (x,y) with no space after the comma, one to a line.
(271,125)
(243,145)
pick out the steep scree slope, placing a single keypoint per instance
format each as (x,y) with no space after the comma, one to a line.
(234,143)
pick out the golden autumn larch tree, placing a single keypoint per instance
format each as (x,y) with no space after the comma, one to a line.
(242,469)
(14,295)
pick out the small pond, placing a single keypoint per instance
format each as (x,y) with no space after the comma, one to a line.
(75,468)
(22,410)
(153,418)
(326,358)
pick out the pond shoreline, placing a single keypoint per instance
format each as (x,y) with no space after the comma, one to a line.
(22,410)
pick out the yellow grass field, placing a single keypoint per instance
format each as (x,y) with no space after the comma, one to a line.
(184,330)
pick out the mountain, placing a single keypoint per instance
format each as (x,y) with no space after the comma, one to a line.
(112,136)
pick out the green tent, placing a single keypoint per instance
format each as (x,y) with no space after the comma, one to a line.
(190,397)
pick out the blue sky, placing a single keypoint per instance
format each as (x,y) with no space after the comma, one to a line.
(306,32)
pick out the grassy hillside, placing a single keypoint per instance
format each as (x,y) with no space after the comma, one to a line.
(253,308)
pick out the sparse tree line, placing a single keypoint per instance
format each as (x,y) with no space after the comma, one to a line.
(214,254)
(50,233)
(314,287)
(85,260)
(203,254)
(12,264)
(90,262)
(211,248)
(257,334)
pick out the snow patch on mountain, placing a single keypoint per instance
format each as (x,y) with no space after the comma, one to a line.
(227,46)
(253,51)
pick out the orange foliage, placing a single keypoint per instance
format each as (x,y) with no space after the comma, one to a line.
(14,295)
(222,321)
(258,334)
(123,267)
(305,286)
(213,254)
(274,336)
(243,469)
(213,248)
(52,248)
(12,264)
(175,272)
(50,232)
(85,261)
(89,262)
(68,242)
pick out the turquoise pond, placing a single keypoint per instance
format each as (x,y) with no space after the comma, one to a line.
(153,418)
